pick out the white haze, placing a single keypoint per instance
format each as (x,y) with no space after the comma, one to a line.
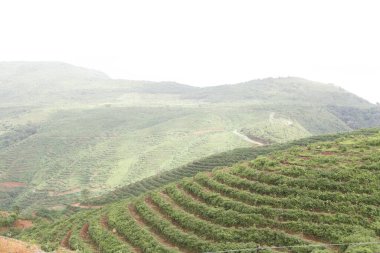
(202,42)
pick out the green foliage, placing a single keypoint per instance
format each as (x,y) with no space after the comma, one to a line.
(87,131)
(357,117)
(123,222)
(17,135)
(207,164)
(8,220)
(76,242)
(306,195)
(50,246)
(105,240)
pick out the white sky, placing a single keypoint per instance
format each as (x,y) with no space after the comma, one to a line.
(202,42)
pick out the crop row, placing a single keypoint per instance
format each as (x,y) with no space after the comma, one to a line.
(120,219)
(206,164)
(177,236)
(281,189)
(254,213)
(296,202)
(326,232)
(315,179)
(216,232)
(76,242)
(104,239)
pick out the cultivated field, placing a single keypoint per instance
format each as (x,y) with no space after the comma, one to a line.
(324,193)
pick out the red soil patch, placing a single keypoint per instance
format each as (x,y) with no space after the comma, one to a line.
(305,157)
(12,184)
(65,241)
(328,153)
(9,245)
(84,231)
(23,224)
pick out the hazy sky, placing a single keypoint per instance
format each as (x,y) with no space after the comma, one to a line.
(205,42)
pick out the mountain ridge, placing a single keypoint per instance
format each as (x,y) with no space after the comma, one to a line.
(92,81)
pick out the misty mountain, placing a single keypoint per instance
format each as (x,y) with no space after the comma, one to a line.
(48,83)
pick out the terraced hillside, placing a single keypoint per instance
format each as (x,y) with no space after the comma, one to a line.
(209,163)
(324,193)
(68,133)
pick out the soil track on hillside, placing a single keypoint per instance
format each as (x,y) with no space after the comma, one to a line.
(12,184)
(247,139)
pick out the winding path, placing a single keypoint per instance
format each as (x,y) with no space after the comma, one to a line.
(246,138)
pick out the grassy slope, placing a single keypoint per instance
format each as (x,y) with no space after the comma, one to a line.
(83,130)
(206,164)
(102,148)
(322,192)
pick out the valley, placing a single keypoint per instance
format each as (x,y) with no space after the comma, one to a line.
(94,164)
(189,126)
(88,134)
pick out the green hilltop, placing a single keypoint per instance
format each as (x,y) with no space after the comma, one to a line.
(318,195)
(65,130)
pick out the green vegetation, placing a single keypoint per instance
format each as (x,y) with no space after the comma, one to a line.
(322,191)
(207,164)
(65,130)
(7,219)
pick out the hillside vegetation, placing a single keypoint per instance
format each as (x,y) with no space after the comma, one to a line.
(68,133)
(318,194)
(209,163)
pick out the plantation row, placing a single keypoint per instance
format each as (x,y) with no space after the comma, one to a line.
(293,202)
(207,164)
(282,189)
(236,208)
(244,215)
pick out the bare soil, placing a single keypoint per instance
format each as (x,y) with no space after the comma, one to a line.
(23,224)
(10,245)
(12,184)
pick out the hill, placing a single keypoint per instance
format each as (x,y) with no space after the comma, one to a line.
(290,90)
(209,163)
(69,133)
(47,83)
(324,193)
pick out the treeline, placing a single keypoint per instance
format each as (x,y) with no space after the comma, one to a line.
(357,117)
(17,134)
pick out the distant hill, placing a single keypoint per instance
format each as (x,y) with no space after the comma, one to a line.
(317,197)
(290,90)
(44,72)
(66,130)
(54,82)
